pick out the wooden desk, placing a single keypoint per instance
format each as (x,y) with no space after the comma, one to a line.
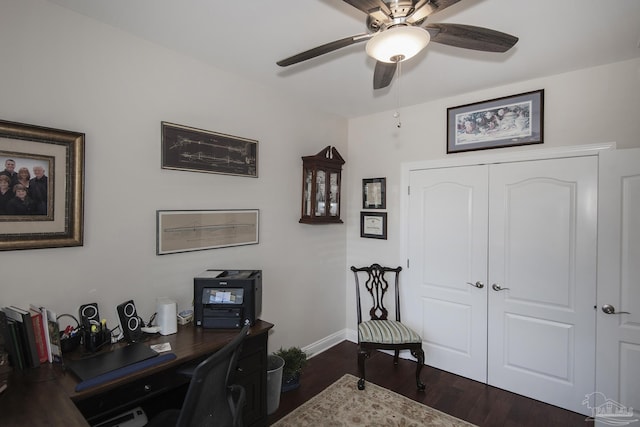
(47,396)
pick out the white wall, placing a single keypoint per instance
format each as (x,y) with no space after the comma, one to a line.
(588,106)
(62,70)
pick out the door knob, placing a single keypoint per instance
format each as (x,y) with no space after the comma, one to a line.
(609,309)
(478,284)
(497,287)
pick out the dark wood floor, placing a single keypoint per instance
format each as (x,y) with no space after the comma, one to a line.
(469,400)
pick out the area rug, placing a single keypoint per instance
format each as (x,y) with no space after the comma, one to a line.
(342,404)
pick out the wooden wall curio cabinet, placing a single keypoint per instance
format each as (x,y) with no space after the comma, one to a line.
(321,176)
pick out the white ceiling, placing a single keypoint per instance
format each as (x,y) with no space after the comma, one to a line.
(247,38)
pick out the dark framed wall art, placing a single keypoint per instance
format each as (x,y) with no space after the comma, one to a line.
(373,225)
(501,122)
(198,150)
(41,187)
(374,193)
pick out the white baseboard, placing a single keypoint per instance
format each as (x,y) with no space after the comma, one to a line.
(329,341)
(336,338)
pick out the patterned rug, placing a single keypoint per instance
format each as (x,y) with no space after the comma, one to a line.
(342,404)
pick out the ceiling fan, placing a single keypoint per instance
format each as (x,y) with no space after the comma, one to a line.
(396,33)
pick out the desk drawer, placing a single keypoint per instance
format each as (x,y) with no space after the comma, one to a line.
(112,402)
(250,363)
(252,375)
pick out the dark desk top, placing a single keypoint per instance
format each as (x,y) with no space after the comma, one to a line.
(45,395)
(105,362)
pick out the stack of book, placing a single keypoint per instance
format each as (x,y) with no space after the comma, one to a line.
(30,337)
(5,367)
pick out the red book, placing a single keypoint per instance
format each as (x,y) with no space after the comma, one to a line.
(38,329)
(45,325)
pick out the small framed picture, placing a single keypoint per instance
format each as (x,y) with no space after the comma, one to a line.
(373,225)
(374,193)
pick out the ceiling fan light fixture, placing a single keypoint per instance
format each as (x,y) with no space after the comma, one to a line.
(398,43)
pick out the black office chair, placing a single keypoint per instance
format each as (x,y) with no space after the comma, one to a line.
(380,332)
(212,399)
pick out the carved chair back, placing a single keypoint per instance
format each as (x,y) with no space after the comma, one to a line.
(378,279)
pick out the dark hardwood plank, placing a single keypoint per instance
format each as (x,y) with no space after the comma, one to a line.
(469,400)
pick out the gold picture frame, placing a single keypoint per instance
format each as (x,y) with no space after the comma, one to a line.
(60,222)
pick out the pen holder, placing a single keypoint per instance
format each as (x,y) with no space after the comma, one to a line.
(69,341)
(94,340)
(69,344)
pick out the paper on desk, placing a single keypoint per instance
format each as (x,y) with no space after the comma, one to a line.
(165,346)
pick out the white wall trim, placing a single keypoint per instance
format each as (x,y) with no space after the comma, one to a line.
(326,343)
(351,335)
(511,156)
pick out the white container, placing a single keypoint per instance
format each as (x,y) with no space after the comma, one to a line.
(274,382)
(166,312)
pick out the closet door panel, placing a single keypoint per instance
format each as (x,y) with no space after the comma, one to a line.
(542,254)
(539,235)
(447,258)
(618,333)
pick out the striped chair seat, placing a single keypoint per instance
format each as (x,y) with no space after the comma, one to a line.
(386,332)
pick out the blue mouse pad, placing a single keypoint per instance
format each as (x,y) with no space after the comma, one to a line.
(102,363)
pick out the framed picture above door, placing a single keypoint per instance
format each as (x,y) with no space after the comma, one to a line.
(501,122)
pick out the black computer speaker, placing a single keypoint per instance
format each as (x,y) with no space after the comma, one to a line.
(129,321)
(89,315)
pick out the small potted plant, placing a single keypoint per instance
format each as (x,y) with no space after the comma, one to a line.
(294,361)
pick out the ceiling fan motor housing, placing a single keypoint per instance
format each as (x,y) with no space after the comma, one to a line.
(394,14)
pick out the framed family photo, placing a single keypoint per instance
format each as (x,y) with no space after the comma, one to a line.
(502,122)
(41,187)
(194,230)
(197,150)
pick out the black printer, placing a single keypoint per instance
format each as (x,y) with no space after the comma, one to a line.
(227,298)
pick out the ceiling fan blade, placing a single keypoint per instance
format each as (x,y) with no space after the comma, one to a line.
(470,37)
(325,48)
(383,74)
(368,5)
(425,8)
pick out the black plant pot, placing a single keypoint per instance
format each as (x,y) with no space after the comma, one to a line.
(290,383)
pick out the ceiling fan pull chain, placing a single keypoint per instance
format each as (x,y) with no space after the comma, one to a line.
(397,113)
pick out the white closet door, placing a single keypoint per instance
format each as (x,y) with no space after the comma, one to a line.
(447,240)
(618,335)
(542,254)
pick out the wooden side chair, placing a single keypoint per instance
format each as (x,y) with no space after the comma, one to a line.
(379,332)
